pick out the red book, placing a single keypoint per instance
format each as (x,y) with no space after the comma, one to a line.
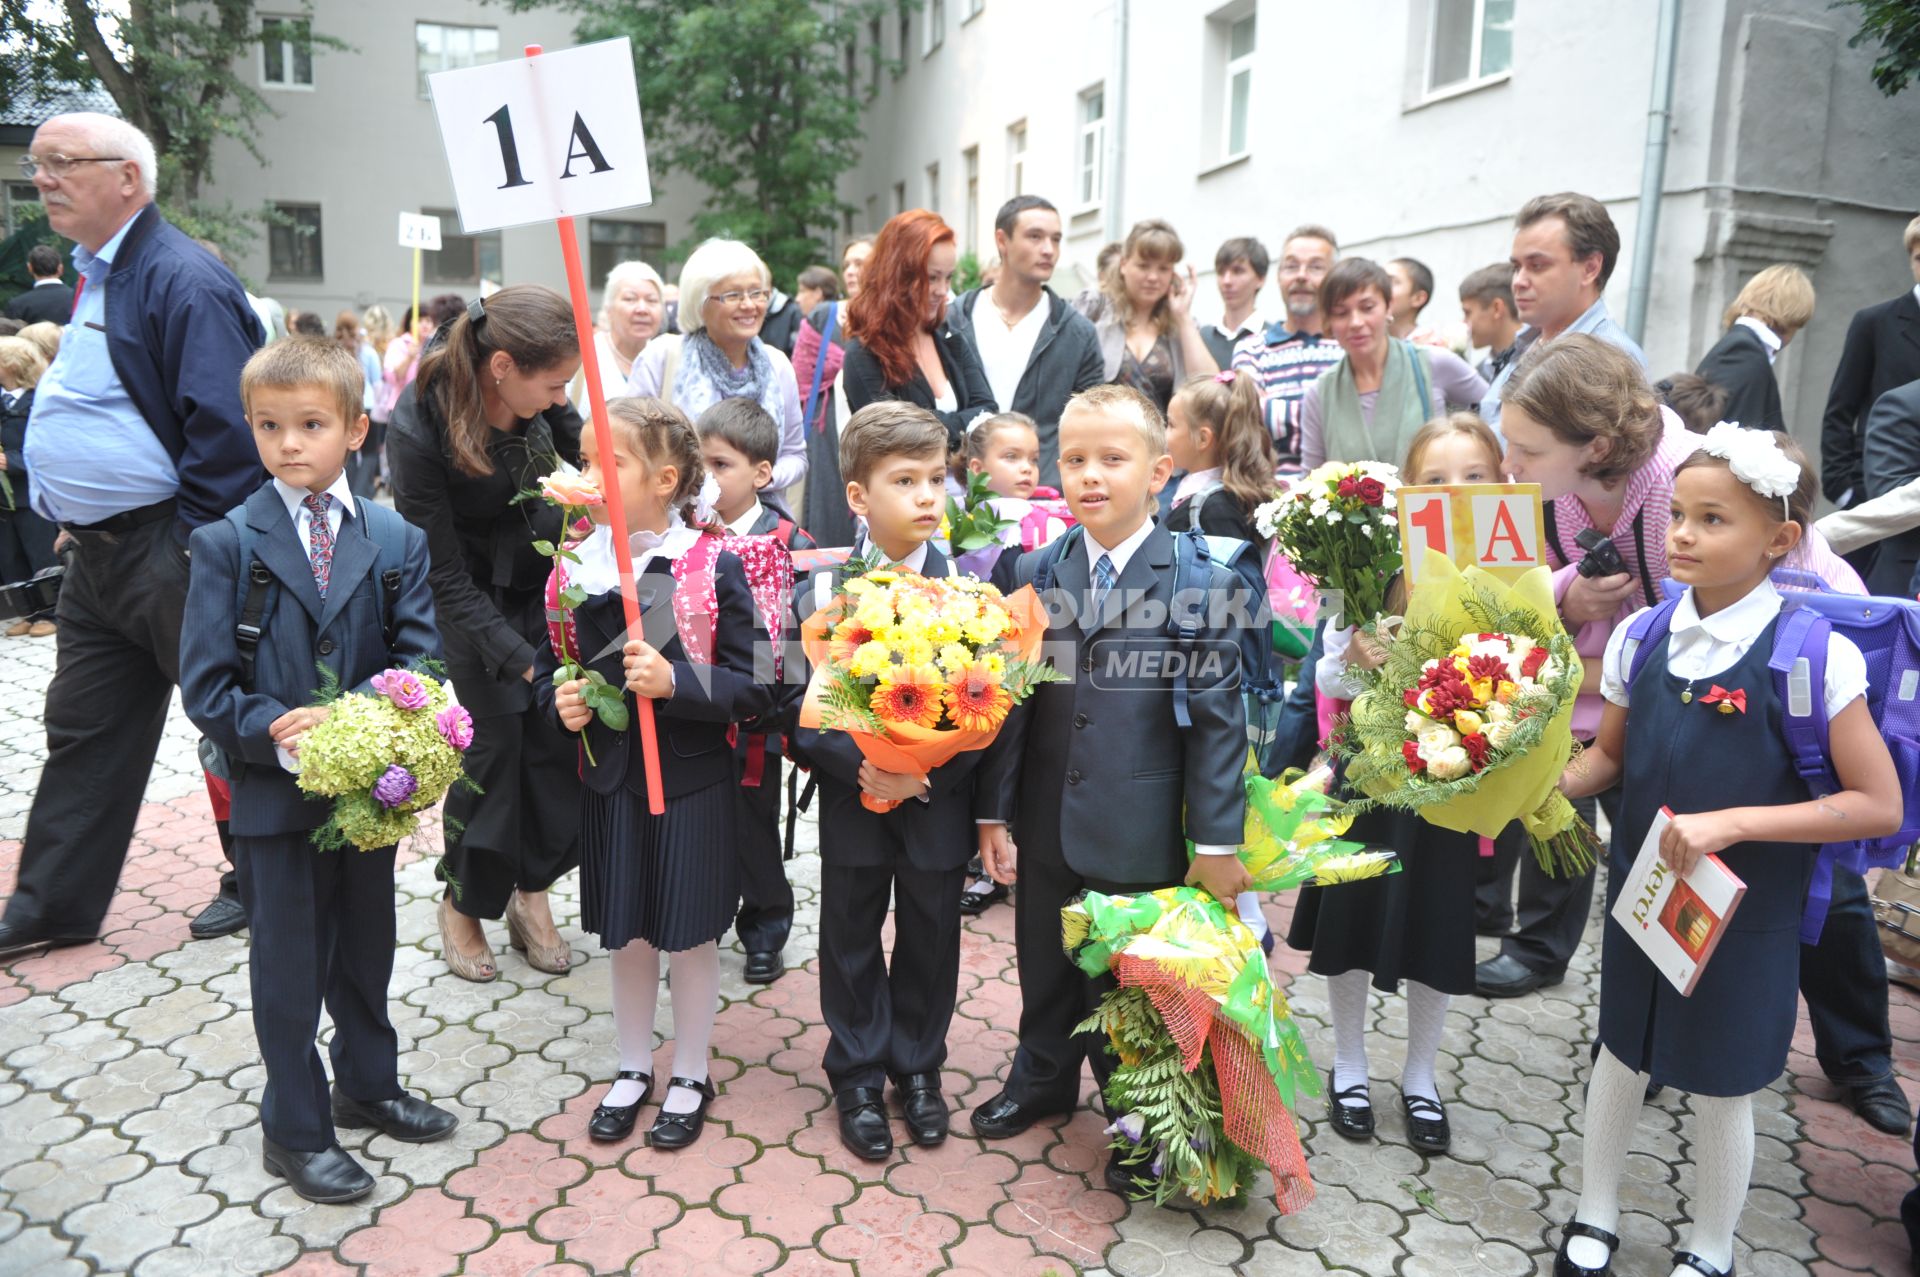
(1677,921)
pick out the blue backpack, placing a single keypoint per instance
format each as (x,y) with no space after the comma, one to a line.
(1887,632)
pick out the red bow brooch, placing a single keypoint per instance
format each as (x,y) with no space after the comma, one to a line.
(1728,701)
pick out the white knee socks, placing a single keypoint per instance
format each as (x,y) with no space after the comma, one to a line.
(1722,1154)
(1347,1007)
(1614,1098)
(636,992)
(1426,1021)
(694,975)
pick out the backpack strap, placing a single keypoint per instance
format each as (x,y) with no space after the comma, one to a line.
(1050,556)
(252,617)
(1192,574)
(388,532)
(1644,633)
(820,366)
(1553,531)
(783,528)
(1799,665)
(1423,392)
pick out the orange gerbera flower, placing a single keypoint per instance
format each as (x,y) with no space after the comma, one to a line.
(847,638)
(908,694)
(976,700)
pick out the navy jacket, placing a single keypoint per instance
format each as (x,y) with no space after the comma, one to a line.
(1882,350)
(179,330)
(1738,364)
(51,304)
(344,633)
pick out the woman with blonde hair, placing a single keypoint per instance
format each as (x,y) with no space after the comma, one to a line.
(1775,304)
(1144,315)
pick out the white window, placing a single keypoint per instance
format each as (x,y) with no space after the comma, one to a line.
(972,231)
(1017,159)
(936,26)
(293,242)
(1239,82)
(439,47)
(1091,161)
(286,53)
(1468,41)
(973,9)
(933,187)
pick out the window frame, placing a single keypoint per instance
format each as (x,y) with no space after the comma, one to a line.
(430,261)
(933,32)
(1017,157)
(1475,78)
(970,169)
(15,192)
(650,236)
(420,75)
(287,50)
(1244,64)
(288,208)
(1091,193)
(933,187)
(974,9)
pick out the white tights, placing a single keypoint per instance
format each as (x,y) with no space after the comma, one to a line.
(694,975)
(1426,1020)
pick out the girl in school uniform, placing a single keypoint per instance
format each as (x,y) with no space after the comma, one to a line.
(1215,432)
(657,884)
(1740,506)
(1416,925)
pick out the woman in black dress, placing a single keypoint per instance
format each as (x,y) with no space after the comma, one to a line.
(487,418)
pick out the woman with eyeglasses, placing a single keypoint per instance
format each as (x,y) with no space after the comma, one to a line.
(724,290)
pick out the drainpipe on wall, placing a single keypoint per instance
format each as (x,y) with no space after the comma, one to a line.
(1653,172)
(1117,124)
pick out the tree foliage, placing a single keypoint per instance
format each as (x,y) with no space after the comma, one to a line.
(758,100)
(1896,25)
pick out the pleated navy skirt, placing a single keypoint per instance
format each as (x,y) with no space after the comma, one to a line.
(670,880)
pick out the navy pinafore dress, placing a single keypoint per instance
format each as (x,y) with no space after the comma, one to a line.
(1730,1037)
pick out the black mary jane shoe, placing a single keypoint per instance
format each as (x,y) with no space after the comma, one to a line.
(925,1108)
(1565,1267)
(1427,1127)
(677,1130)
(612,1123)
(974,903)
(1687,1259)
(1355,1121)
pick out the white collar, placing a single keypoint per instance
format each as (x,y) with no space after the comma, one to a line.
(1193,481)
(1768,338)
(295,498)
(1736,623)
(597,572)
(1120,554)
(743,526)
(916,560)
(1253,323)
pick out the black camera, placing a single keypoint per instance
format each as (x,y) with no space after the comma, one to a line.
(1601,558)
(31,597)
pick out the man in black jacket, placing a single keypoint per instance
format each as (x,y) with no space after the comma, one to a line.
(49,300)
(1882,351)
(1775,304)
(1038,352)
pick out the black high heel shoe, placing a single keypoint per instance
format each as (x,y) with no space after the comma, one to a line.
(677,1130)
(1355,1121)
(612,1123)
(1565,1267)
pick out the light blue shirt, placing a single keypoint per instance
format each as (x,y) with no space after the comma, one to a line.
(1595,321)
(90,452)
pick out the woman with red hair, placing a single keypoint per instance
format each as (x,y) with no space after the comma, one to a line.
(902,347)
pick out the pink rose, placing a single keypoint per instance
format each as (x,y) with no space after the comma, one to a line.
(456,726)
(566,489)
(402,687)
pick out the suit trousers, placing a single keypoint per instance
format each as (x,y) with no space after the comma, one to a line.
(322,931)
(888,1018)
(1553,911)
(766,897)
(1844,980)
(117,658)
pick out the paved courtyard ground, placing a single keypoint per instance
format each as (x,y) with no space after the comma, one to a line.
(129,1137)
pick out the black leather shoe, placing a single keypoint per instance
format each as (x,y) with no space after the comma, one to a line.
(1687,1259)
(677,1130)
(1427,1128)
(978,902)
(612,1123)
(1122,1177)
(1882,1103)
(17,940)
(331,1175)
(1506,976)
(764,967)
(1564,1267)
(863,1123)
(1355,1121)
(407,1118)
(223,917)
(925,1107)
(1002,1117)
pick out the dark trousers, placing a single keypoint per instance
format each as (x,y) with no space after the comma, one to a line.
(1553,911)
(117,659)
(521,832)
(887,1018)
(26,540)
(1055,995)
(766,897)
(322,931)
(1844,980)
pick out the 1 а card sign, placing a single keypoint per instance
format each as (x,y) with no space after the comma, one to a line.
(1495,526)
(541,138)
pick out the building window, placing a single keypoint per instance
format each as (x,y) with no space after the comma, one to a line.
(899,198)
(1091,186)
(286,53)
(462,259)
(933,187)
(293,242)
(610,242)
(873,76)
(1017,159)
(905,42)
(936,26)
(974,8)
(1468,41)
(972,232)
(1239,84)
(439,47)
(23,200)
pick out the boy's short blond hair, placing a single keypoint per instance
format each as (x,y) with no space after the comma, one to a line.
(1117,400)
(1781,297)
(299,362)
(889,428)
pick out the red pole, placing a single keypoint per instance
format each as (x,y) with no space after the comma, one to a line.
(616,514)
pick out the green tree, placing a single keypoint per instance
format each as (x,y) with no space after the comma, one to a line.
(758,100)
(172,69)
(1896,25)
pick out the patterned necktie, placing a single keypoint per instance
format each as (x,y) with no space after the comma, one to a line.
(319,539)
(1103,578)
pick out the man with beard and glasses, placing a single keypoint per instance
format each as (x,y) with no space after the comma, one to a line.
(1294,350)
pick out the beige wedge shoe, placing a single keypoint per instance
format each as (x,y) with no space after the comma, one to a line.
(554,959)
(477,967)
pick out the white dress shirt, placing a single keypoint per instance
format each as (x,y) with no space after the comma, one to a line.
(338,509)
(743,526)
(1768,338)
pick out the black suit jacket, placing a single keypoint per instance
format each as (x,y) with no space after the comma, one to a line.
(863,382)
(1882,351)
(1892,454)
(1095,769)
(1738,364)
(52,304)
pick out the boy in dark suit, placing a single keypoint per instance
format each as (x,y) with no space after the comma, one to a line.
(739,443)
(304,573)
(890,1019)
(1093,774)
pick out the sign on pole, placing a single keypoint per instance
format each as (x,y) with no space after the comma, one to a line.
(420,231)
(1494,526)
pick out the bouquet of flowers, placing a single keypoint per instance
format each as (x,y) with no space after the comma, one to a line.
(918,669)
(1469,720)
(1336,525)
(1211,1061)
(384,757)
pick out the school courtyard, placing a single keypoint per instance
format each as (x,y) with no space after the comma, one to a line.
(129,1140)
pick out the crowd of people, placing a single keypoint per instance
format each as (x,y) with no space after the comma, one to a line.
(852,410)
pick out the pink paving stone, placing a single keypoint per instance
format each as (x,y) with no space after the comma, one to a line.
(516,1179)
(884,1233)
(1851,1238)
(703,1242)
(316,1264)
(802,1054)
(1062,1214)
(811,1263)
(513,1255)
(422,1235)
(607,1220)
(786,1196)
(987,1252)
(751,1033)
(768,1106)
(956,1177)
(694,1174)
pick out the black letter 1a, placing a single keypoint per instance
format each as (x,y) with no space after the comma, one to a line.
(580,145)
(502,121)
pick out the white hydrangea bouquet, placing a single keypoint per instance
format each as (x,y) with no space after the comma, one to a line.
(384,757)
(1337,526)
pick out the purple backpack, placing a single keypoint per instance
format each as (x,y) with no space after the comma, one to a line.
(1887,632)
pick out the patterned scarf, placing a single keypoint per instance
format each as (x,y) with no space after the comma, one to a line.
(706,376)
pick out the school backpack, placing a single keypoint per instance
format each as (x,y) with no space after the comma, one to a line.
(1887,632)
